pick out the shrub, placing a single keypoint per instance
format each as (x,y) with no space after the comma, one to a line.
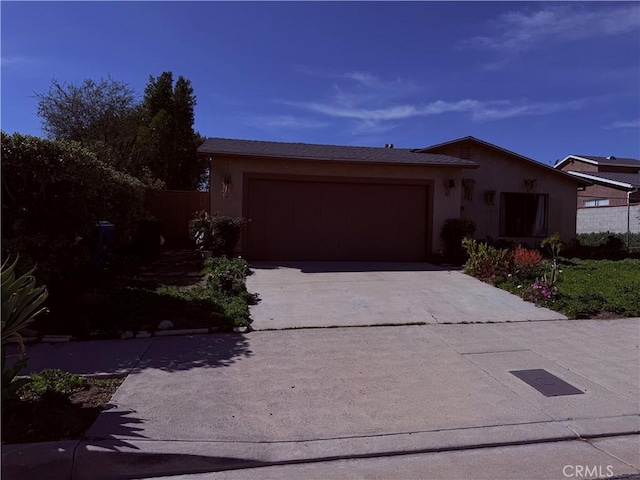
(53,195)
(606,245)
(486,262)
(599,239)
(227,275)
(226,280)
(527,263)
(216,233)
(452,233)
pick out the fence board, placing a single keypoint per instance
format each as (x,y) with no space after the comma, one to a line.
(174,209)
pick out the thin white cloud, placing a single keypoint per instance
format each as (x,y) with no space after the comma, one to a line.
(623,124)
(284,122)
(367,103)
(17,61)
(360,79)
(475,109)
(521,31)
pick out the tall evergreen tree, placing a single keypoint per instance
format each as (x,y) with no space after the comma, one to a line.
(167,133)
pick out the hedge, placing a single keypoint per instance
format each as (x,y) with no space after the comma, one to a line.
(53,195)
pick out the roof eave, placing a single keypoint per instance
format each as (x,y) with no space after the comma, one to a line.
(610,183)
(508,152)
(338,160)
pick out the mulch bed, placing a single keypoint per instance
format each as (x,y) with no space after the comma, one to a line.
(56,417)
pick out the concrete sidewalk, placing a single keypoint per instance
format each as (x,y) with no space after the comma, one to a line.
(336,395)
(323,294)
(616,456)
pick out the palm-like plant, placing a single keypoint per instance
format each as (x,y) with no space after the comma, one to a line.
(21,304)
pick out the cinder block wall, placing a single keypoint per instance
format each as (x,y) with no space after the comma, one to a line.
(608,219)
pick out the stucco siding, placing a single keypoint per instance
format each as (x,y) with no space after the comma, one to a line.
(237,169)
(501,172)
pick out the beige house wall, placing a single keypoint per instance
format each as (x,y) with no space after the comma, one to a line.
(234,168)
(504,173)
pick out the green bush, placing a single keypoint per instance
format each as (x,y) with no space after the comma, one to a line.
(53,195)
(216,233)
(52,381)
(227,275)
(606,245)
(453,231)
(486,262)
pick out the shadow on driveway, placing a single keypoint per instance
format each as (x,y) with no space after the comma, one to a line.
(329,267)
(172,354)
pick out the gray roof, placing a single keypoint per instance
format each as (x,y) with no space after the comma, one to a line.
(632,179)
(612,162)
(307,151)
(631,162)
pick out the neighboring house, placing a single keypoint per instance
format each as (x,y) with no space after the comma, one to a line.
(328,202)
(615,189)
(616,181)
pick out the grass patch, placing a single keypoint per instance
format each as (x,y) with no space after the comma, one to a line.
(592,287)
(55,405)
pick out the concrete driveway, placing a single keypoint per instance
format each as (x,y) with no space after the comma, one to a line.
(323,294)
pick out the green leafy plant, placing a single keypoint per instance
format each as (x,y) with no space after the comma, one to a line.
(453,231)
(227,275)
(52,381)
(486,262)
(554,245)
(216,233)
(21,304)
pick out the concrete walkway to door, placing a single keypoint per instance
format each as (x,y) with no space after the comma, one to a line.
(325,294)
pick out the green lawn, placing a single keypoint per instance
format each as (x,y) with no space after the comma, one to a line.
(591,287)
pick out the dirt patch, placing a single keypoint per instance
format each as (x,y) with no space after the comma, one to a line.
(178,267)
(54,416)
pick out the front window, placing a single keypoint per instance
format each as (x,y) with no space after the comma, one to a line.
(523,214)
(596,202)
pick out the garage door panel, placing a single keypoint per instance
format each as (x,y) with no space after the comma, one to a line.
(304,220)
(333,221)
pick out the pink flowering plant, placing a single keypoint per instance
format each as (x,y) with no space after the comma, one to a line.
(540,293)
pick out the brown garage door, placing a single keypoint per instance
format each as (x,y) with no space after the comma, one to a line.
(307,220)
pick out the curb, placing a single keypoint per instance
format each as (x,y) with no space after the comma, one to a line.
(124,458)
(128,335)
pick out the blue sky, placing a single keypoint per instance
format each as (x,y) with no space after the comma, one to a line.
(541,79)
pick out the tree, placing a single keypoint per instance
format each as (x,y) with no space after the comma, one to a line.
(153,140)
(104,116)
(167,133)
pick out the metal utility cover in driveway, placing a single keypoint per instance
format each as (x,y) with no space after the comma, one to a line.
(547,384)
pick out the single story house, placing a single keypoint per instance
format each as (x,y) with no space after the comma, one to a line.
(616,181)
(343,203)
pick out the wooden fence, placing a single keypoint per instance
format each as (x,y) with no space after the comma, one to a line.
(174,209)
